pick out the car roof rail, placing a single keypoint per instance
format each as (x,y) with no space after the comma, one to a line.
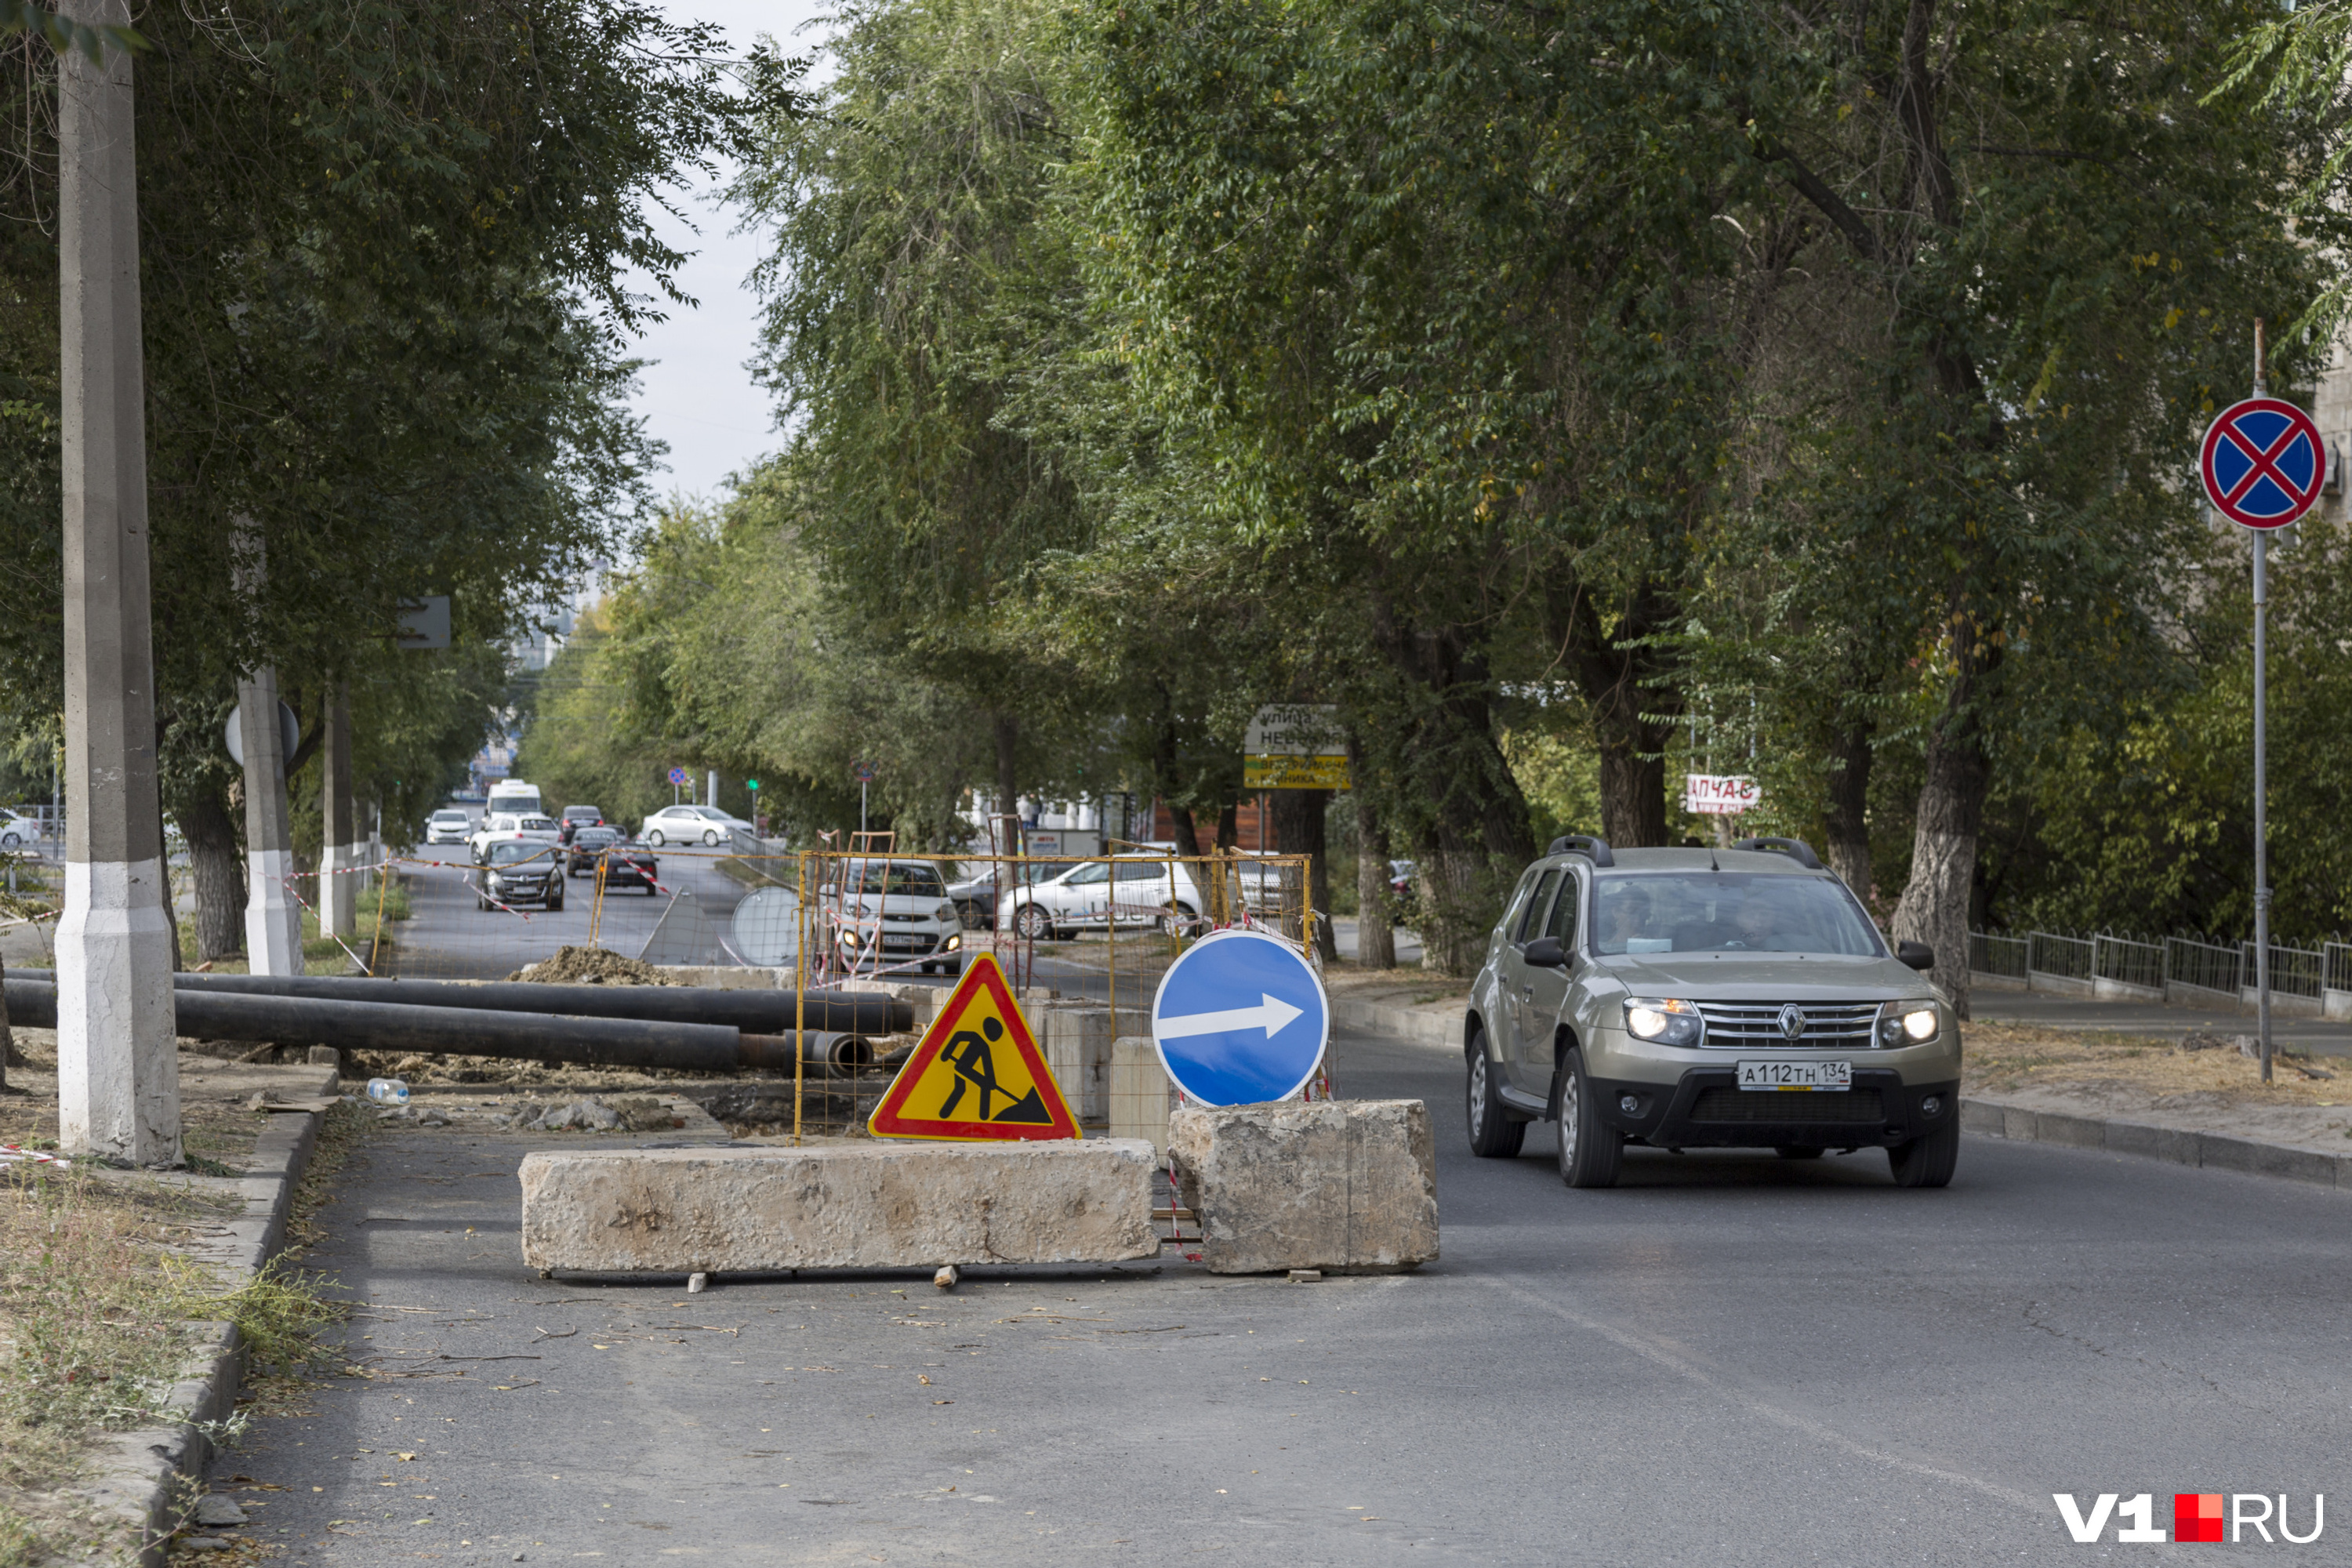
(1797,849)
(1594,849)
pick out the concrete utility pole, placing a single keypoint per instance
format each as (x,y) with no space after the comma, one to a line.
(273,921)
(711,796)
(337,894)
(118,1062)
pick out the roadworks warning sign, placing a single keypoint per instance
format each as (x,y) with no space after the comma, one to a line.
(978,1075)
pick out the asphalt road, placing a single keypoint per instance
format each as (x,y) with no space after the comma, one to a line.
(1727,1361)
(447,937)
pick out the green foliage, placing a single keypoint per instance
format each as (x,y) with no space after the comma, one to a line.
(386,265)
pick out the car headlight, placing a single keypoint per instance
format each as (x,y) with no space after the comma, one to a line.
(954,941)
(1669,1021)
(848,938)
(945,911)
(1907,1024)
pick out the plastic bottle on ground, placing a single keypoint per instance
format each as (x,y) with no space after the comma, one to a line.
(387,1090)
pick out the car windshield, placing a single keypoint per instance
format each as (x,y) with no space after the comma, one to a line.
(511,851)
(595,836)
(581,813)
(1728,911)
(537,823)
(916,881)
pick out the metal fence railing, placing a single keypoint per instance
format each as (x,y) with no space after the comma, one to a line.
(2128,962)
(2295,971)
(2226,968)
(2006,956)
(2206,965)
(2068,957)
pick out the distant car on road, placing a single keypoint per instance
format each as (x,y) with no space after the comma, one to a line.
(1087,898)
(505,825)
(629,864)
(520,871)
(885,912)
(690,824)
(448,825)
(18,831)
(574,818)
(585,845)
(975,896)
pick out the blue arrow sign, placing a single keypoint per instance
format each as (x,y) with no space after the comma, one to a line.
(1241,1018)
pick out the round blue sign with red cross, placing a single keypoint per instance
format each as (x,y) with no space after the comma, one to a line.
(2264,463)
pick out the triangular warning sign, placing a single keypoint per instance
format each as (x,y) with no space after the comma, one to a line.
(978,1075)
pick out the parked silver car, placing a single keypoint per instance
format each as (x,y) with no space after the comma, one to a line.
(1090,896)
(1687,998)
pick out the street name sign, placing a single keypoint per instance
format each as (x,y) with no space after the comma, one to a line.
(977,1076)
(1295,745)
(2263,463)
(1241,1018)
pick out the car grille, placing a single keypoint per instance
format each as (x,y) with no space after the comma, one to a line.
(1782,1107)
(1759,1024)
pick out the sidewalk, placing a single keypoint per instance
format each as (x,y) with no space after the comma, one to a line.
(2316,1037)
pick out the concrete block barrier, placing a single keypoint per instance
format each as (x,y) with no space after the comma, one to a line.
(1077,1040)
(1342,1185)
(860,1206)
(1140,1093)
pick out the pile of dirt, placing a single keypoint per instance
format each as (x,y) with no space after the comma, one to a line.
(591,966)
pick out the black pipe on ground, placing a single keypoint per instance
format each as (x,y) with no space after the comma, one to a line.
(474,1032)
(761,1012)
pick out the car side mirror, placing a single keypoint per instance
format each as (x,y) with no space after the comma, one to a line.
(1916,954)
(1545,952)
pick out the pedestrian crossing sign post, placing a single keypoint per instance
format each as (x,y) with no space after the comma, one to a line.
(977,1076)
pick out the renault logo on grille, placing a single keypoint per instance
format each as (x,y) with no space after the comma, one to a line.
(1792,1020)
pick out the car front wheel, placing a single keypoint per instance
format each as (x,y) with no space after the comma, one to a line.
(1494,1135)
(1590,1151)
(1927,1162)
(1176,919)
(1033,924)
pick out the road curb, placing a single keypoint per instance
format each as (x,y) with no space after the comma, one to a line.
(147,1479)
(2173,1146)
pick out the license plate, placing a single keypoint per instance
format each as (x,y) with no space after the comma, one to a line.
(905,941)
(1837,1077)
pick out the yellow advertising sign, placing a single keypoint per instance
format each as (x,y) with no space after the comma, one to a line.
(1295,772)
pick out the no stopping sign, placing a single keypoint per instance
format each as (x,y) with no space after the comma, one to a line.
(2263,463)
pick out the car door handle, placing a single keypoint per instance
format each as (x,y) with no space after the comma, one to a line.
(1527,994)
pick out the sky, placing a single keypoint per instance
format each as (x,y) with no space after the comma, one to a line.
(694,393)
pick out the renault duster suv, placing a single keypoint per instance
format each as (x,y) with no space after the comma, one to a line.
(1689,998)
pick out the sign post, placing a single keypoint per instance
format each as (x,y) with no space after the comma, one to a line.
(2262,464)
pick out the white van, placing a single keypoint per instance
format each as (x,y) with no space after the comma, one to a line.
(511,797)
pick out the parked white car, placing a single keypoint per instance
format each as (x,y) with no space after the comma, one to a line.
(888,912)
(539,829)
(1088,897)
(690,824)
(18,831)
